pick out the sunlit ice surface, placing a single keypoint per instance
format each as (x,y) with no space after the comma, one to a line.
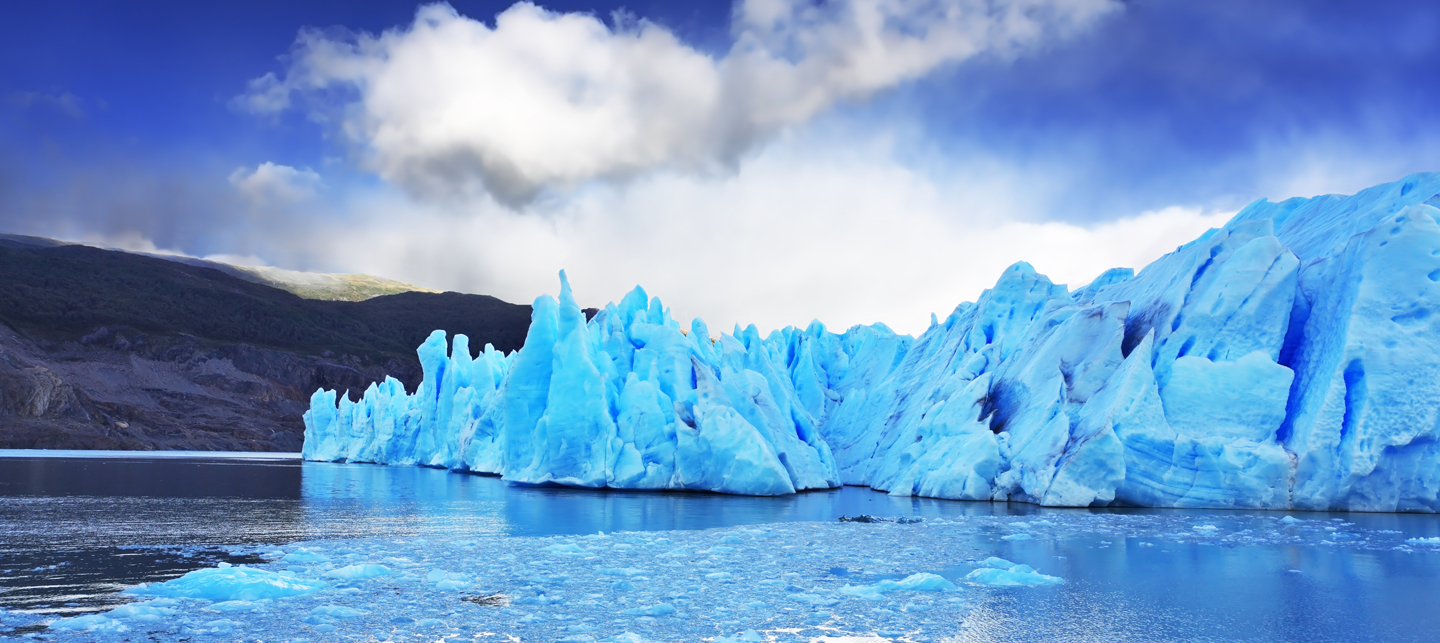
(356,552)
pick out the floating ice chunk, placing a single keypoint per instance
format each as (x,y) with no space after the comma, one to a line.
(627,637)
(748,636)
(147,611)
(622,585)
(626,572)
(542,599)
(303,555)
(813,599)
(335,611)
(662,609)
(91,623)
(235,606)
(1210,529)
(731,539)
(567,549)
(996,562)
(355,572)
(1290,520)
(111,622)
(1016,576)
(921,582)
(219,626)
(231,584)
(1014,537)
(448,581)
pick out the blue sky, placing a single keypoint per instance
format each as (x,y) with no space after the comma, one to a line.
(747,162)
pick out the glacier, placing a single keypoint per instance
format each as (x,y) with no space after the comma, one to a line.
(1287,360)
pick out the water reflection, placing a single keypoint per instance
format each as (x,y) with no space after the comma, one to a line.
(145,477)
(75,531)
(437,501)
(1129,591)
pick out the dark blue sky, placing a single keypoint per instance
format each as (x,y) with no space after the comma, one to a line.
(1166,103)
(117,117)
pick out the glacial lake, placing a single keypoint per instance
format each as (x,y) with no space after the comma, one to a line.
(79,529)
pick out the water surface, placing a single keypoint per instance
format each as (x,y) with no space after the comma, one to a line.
(75,531)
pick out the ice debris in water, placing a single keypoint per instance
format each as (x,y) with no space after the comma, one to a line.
(1289,359)
(805,578)
(120,619)
(303,556)
(1003,573)
(761,580)
(353,572)
(922,582)
(230,583)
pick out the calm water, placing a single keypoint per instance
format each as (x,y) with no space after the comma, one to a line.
(74,531)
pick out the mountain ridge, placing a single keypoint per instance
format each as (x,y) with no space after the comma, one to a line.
(111,349)
(310,285)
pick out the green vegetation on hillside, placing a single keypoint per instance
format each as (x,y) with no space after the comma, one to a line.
(337,287)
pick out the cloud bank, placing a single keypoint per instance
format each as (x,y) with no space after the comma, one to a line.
(451,106)
(801,231)
(852,161)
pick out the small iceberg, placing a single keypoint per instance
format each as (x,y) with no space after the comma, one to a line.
(355,572)
(921,582)
(227,583)
(998,572)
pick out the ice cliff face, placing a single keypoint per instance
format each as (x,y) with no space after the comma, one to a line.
(628,400)
(1289,359)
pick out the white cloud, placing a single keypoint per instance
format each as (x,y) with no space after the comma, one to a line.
(271,185)
(737,206)
(798,233)
(128,240)
(453,106)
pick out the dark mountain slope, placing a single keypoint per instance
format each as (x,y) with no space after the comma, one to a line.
(107,349)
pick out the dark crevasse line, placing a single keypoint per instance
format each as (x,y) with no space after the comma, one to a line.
(1356,393)
(1289,349)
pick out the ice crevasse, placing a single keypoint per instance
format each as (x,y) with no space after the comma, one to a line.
(1290,359)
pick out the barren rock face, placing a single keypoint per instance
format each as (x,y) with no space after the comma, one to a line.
(119,389)
(104,349)
(34,391)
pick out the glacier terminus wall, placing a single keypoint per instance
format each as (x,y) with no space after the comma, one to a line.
(1290,359)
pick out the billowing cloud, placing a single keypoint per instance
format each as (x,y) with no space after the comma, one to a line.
(453,106)
(800,232)
(272,185)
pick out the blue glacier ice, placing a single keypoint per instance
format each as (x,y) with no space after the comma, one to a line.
(626,400)
(1290,359)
